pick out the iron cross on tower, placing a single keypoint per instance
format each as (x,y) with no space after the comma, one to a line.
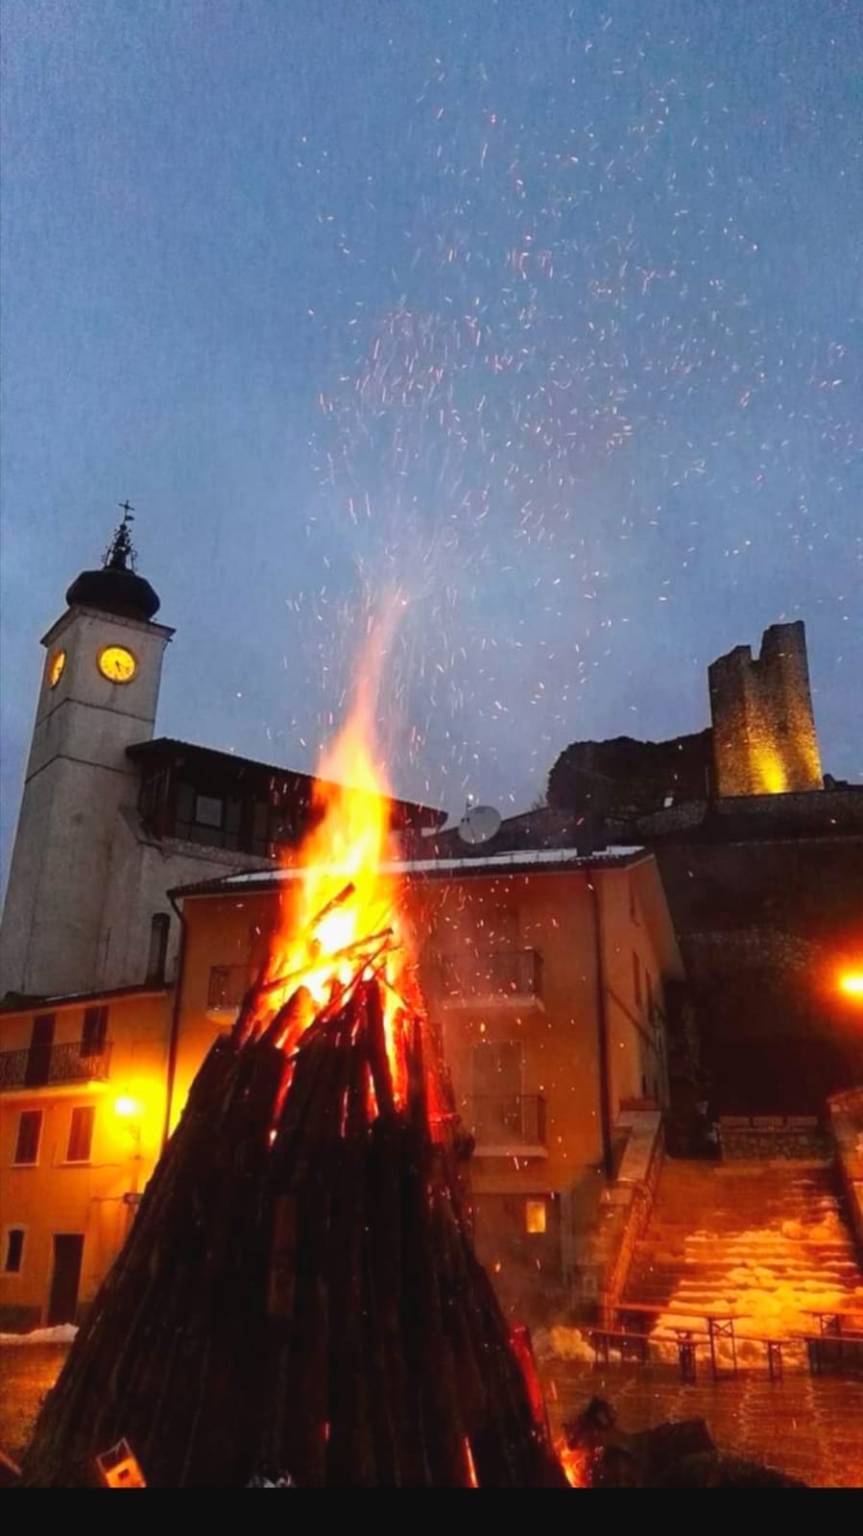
(120,554)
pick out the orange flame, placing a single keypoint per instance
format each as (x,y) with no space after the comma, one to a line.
(575,1463)
(343,909)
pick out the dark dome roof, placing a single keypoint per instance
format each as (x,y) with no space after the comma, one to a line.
(114,590)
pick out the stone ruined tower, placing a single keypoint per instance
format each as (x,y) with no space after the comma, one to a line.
(764,739)
(98,695)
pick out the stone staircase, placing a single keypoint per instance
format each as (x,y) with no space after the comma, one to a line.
(763,1240)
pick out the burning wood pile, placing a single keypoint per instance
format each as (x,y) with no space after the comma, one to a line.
(299,1300)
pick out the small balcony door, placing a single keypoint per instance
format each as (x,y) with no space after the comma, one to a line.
(497,1090)
(497,1068)
(39,1055)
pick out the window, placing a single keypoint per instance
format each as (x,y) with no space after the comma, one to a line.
(95,1030)
(497,1068)
(534,1216)
(14,1251)
(231,824)
(160,925)
(636,980)
(80,1134)
(280,827)
(38,1068)
(185,805)
(500,1112)
(209,810)
(29,1136)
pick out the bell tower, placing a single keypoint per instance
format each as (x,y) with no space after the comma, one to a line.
(98,696)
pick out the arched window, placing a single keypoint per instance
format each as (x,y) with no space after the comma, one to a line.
(160,924)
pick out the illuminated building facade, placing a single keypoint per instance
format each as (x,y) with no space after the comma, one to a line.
(82,1109)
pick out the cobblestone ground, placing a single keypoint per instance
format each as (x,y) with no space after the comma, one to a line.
(811,1429)
(27,1372)
(808,1428)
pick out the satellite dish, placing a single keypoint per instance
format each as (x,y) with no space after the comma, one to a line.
(478,824)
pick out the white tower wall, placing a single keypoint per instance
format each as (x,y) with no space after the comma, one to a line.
(78,783)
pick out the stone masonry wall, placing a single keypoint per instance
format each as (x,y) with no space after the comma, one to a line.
(764,739)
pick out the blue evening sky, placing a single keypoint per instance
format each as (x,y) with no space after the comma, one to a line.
(547,314)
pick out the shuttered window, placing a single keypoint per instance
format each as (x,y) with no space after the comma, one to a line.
(29,1134)
(81,1134)
(95,1031)
(13,1257)
(160,925)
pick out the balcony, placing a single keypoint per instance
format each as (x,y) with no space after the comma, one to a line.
(507,1125)
(50,1066)
(227,987)
(490,978)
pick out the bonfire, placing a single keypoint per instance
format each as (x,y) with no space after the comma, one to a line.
(299,1302)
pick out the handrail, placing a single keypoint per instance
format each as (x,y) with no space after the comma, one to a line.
(42,1065)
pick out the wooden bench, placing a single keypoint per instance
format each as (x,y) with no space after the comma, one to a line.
(839,1354)
(636,1346)
(630,1346)
(720,1327)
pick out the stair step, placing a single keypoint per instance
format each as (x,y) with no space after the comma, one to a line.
(725,1234)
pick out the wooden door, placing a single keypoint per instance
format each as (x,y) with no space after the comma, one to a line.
(66,1279)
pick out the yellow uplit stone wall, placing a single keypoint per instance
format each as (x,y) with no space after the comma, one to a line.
(764,738)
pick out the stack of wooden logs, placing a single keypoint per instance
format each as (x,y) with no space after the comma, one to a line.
(299,1297)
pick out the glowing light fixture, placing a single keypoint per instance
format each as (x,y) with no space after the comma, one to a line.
(534,1215)
(126,1106)
(851,984)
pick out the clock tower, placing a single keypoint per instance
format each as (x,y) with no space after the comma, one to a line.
(98,696)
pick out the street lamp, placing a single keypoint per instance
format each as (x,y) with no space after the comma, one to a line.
(129,1111)
(851,985)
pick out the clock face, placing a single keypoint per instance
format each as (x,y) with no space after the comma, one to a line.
(117,664)
(55,668)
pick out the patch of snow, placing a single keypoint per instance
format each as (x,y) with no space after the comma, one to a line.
(525,857)
(562,1343)
(64,1333)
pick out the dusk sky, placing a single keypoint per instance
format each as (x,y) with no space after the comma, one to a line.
(546,314)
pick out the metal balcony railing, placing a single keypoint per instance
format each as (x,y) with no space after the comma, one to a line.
(227,987)
(42,1065)
(507,1120)
(492,973)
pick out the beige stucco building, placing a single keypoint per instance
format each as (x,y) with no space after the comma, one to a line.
(546,974)
(82,1110)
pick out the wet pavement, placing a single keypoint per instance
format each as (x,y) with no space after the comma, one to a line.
(809,1428)
(27,1372)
